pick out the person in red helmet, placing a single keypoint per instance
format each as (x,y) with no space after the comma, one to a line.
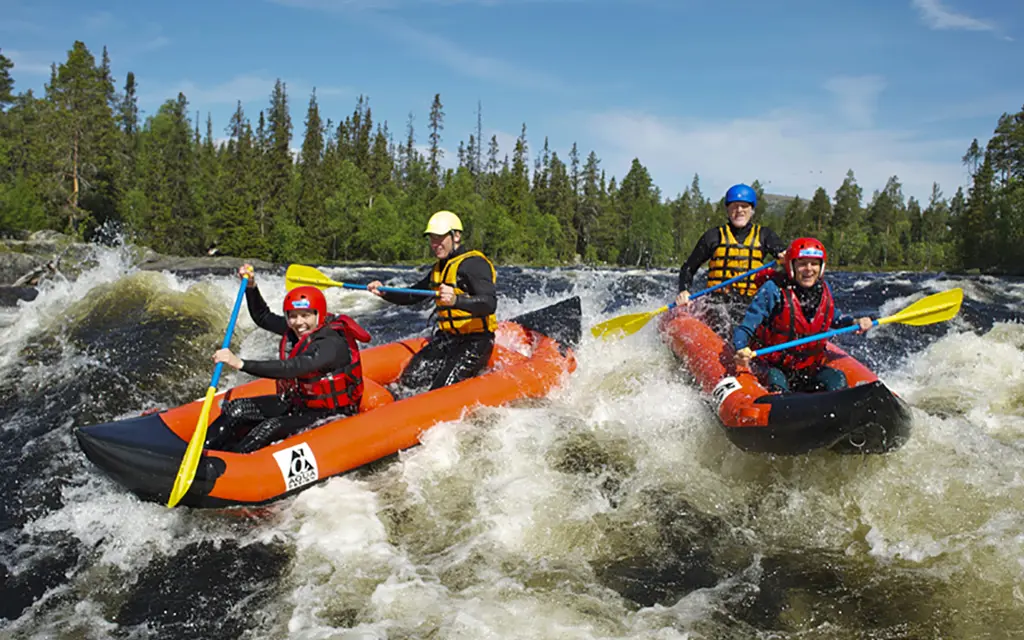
(791,304)
(318,372)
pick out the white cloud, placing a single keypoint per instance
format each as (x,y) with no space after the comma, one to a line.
(988,107)
(470,63)
(438,48)
(791,152)
(100,21)
(36,64)
(857,97)
(937,16)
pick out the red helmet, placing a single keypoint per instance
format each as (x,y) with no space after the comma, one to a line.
(805,248)
(307,298)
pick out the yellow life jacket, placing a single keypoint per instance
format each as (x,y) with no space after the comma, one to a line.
(731,258)
(454,320)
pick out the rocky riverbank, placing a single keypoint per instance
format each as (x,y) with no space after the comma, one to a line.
(28,260)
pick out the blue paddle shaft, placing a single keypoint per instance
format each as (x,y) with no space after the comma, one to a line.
(742,276)
(415,292)
(814,338)
(231,330)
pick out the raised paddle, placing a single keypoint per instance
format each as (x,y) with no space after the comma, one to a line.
(632,322)
(189,464)
(300,274)
(935,308)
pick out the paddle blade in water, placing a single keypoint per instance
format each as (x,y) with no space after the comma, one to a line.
(189,464)
(624,325)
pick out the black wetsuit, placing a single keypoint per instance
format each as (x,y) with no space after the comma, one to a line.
(449,358)
(270,418)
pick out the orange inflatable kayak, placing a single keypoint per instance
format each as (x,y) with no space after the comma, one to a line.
(866,417)
(532,354)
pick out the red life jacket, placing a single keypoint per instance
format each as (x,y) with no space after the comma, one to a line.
(335,389)
(791,323)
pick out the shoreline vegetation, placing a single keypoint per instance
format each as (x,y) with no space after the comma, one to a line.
(81,160)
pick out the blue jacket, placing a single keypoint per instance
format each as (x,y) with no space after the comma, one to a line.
(767,303)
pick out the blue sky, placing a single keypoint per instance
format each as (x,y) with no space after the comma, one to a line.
(792,92)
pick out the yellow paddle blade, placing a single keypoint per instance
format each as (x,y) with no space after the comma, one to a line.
(299,274)
(938,307)
(189,464)
(624,325)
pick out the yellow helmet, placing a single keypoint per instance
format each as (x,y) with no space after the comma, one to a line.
(443,222)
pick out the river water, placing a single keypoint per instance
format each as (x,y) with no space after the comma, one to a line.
(615,508)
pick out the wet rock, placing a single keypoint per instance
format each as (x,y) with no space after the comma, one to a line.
(10,295)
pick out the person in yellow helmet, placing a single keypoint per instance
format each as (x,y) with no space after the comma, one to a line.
(465,308)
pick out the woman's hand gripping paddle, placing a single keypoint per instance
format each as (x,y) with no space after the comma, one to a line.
(935,308)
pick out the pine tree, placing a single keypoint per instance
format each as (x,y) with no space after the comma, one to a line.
(972,157)
(6,83)
(436,126)
(848,239)
(888,222)
(381,166)
(240,231)
(977,226)
(797,221)
(309,207)
(83,140)
(934,231)
(561,202)
(285,236)
(820,213)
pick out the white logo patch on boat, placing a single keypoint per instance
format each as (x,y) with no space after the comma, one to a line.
(298,466)
(723,389)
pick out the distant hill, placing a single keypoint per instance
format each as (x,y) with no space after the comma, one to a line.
(775,204)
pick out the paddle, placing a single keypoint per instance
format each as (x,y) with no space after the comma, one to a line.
(632,322)
(935,308)
(189,464)
(299,274)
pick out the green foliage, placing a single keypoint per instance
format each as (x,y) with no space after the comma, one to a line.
(81,156)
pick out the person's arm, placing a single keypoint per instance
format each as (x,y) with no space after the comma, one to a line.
(760,309)
(474,277)
(771,242)
(840,320)
(261,313)
(408,298)
(701,253)
(323,354)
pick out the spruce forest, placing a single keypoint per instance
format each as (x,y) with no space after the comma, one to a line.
(79,160)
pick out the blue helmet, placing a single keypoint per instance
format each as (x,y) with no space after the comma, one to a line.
(741,193)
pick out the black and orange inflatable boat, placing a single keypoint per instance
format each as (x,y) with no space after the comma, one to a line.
(866,417)
(532,354)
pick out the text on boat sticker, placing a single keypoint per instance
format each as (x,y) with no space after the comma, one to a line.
(298,465)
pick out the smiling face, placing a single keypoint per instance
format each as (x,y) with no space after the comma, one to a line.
(740,213)
(302,321)
(442,246)
(806,271)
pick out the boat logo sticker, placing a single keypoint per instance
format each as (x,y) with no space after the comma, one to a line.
(298,466)
(724,388)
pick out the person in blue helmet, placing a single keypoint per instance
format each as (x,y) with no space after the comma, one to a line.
(730,250)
